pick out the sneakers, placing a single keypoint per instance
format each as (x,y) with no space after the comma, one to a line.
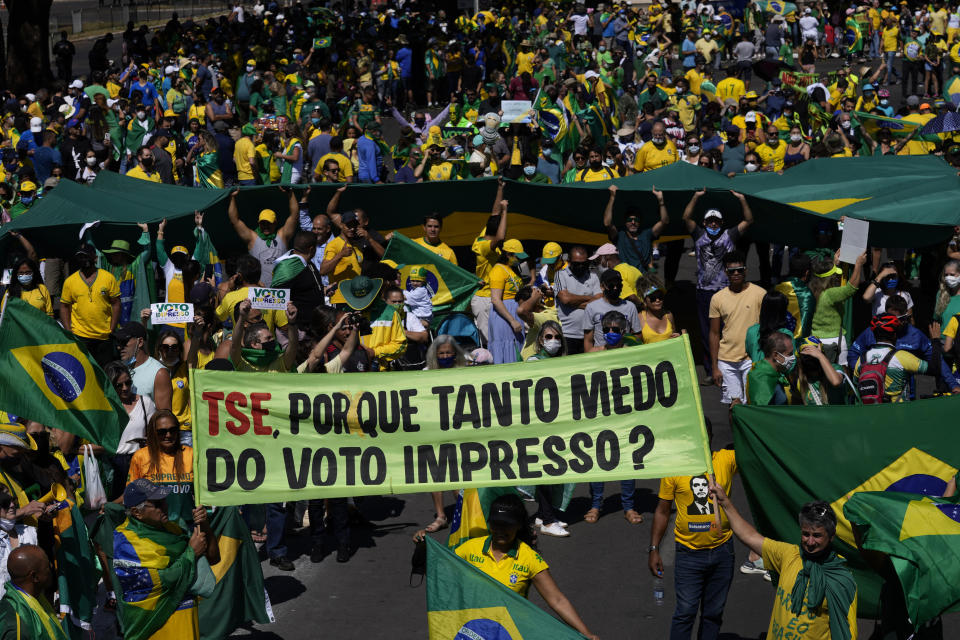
(282,563)
(538,522)
(766,576)
(554,529)
(753,568)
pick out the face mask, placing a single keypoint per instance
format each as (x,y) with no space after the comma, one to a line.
(552,347)
(612,338)
(658,140)
(750,167)
(845,124)
(529,171)
(952,281)
(446,363)
(26,199)
(693,148)
(457,151)
(147,162)
(315,121)
(580,269)
(25,278)
(711,231)
(786,362)
(250,68)
(608,162)
(547,152)
(141,115)
(884,102)
(773,141)
(171,364)
(132,360)
(602,49)
(420,122)
(91,161)
(613,292)
(795,137)
(269,346)
(679,92)
(7,524)
(595,165)
(891,283)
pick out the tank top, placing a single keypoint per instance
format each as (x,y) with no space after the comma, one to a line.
(791,159)
(649,335)
(144,376)
(267,255)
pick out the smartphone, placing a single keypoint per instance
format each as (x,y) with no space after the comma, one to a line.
(208,272)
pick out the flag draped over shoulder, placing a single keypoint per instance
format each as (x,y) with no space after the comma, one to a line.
(921,535)
(452,287)
(464,602)
(206,171)
(239,596)
(76,569)
(47,376)
(780,473)
(33,617)
(286,268)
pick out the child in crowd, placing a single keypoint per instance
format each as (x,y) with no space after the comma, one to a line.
(418,300)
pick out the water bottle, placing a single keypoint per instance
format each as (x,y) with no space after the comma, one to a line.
(658,591)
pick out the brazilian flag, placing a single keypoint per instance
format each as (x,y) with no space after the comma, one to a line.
(777,7)
(451,286)
(47,376)
(76,567)
(921,536)
(322,43)
(463,602)
(471,511)
(792,455)
(898,127)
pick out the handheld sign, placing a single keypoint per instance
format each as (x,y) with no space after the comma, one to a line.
(853,240)
(516,111)
(266,298)
(171,312)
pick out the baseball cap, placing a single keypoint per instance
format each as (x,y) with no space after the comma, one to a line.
(590,74)
(268,215)
(169,69)
(712,213)
(141,490)
(128,331)
(551,253)
(925,105)
(503,515)
(27,186)
(607,249)
(417,273)
(252,62)
(514,246)
(76,84)
(14,434)
(348,217)
(36,125)
(179,249)
(913,101)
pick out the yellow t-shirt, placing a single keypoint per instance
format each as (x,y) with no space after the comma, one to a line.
(768,154)
(785,559)
(739,311)
(694,80)
(243,153)
(441,172)
(524,63)
(140,174)
(695,527)
(503,277)
(90,306)
(515,570)
(441,249)
(630,275)
(950,331)
(486,258)
(349,266)
(731,88)
(589,175)
(346,167)
(533,332)
(650,157)
(272,318)
(918,147)
(38,297)
(180,402)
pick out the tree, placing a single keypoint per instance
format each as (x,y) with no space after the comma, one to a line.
(28,44)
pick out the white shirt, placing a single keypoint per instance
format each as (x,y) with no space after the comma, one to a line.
(136,426)
(26,535)
(579,24)
(809,24)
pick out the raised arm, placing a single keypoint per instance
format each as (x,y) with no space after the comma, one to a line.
(293,219)
(244,232)
(27,247)
(900,145)
(293,338)
(688,212)
(334,205)
(747,213)
(608,214)
(499,197)
(741,528)
(236,342)
(664,220)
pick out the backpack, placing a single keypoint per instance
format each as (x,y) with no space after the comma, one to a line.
(870,384)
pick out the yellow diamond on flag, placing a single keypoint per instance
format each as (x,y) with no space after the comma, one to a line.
(928,518)
(826,206)
(487,623)
(64,375)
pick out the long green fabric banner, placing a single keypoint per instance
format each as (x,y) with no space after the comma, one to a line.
(614,415)
(792,455)
(910,201)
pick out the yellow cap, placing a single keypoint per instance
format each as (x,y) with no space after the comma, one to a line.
(252,62)
(179,249)
(551,252)
(418,273)
(169,114)
(27,186)
(514,246)
(267,214)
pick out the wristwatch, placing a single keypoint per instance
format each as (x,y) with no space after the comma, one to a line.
(652,547)
(876,284)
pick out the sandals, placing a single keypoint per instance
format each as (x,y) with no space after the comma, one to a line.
(633,517)
(440,523)
(592,515)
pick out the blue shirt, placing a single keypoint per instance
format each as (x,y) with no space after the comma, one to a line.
(149,93)
(44,159)
(405,174)
(405,60)
(689,50)
(913,340)
(371,160)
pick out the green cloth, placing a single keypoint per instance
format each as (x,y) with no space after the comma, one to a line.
(952,309)
(795,288)
(286,268)
(752,341)
(19,209)
(32,617)
(208,174)
(828,318)
(763,385)
(828,580)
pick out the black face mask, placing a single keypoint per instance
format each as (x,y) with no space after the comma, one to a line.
(579,269)
(613,292)
(147,162)
(595,165)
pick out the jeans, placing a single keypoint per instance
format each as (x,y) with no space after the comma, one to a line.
(875,45)
(276,530)
(247,183)
(772,53)
(703,315)
(703,578)
(339,520)
(627,488)
(891,70)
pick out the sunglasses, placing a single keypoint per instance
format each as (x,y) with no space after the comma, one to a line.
(166,432)
(654,297)
(125,383)
(633,219)
(732,270)
(612,330)
(551,336)
(169,347)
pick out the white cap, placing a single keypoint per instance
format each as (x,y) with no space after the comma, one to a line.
(712,213)
(76,84)
(30,96)
(607,249)
(170,69)
(36,125)
(590,74)
(112,101)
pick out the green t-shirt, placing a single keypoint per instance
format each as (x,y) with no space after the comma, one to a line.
(828,317)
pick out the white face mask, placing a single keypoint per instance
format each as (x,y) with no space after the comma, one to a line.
(91,161)
(250,68)
(750,167)
(552,347)
(845,124)
(693,148)
(658,139)
(7,524)
(952,281)
(141,115)
(795,137)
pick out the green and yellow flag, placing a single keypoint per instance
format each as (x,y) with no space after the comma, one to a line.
(470,513)
(921,535)
(463,602)
(780,471)
(76,568)
(47,376)
(322,43)
(899,128)
(452,287)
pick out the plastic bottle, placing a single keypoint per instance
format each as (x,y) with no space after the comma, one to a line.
(658,591)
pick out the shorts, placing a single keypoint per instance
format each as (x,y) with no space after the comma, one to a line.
(734,379)
(480,307)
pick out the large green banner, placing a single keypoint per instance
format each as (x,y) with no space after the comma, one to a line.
(627,413)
